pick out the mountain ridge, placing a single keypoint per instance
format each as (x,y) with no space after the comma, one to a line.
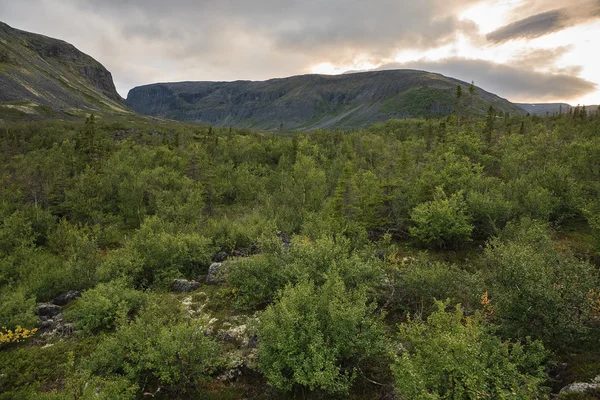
(42,76)
(553,108)
(311,101)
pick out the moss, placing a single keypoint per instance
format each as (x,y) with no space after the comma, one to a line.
(11,114)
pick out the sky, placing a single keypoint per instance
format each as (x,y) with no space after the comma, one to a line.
(523,50)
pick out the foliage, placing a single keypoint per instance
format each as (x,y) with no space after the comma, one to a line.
(260,278)
(100,308)
(315,337)
(159,344)
(18,335)
(120,207)
(442,221)
(451,356)
(419,282)
(536,290)
(17,309)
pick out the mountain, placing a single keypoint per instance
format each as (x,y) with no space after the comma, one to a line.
(543,108)
(45,77)
(552,108)
(312,101)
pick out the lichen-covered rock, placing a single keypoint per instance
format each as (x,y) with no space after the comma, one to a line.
(48,310)
(220,257)
(52,322)
(217,273)
(183,286)
(581,387)
(65,298)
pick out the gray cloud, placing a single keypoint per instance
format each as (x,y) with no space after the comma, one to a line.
(544,23)
(531,27)
(145,41)
(516,83)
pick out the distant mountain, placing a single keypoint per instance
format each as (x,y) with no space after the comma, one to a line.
(543,108)
(312,101)
(552,108)
(45,77)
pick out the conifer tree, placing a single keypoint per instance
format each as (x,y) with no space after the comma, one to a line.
(489,123)
(457,104)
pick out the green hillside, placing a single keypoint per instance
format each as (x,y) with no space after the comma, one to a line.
(41,77)
(314,101)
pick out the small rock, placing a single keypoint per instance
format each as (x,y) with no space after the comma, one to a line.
(252,342)
(64,298)
(225,336)
(286,241)
(48,310)
(65,330)
(220,257)
(229,375)
(182,285)
(217,273)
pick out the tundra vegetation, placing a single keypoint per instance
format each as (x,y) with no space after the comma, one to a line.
(415,259)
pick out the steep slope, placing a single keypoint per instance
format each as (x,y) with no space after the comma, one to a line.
(41,76)
(311,101)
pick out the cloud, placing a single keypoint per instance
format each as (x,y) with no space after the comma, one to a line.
(517,83)
(145,41)
(547,22)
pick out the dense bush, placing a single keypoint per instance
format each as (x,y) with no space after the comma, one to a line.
(451,356)
(161,344)
(259,278)
(536,290)
(324,230)
(100,308)
(316,337)
(442,221)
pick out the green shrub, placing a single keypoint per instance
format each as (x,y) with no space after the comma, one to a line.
(451,356)
(420,282)
(165,255)
(100,307)
(259,278)
(17,308)
(536,290)
(315,337)
(34,368)
(441,222)
(160,345)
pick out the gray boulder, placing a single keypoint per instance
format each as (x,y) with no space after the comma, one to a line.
(217,273)
(581,387)
(183,286)
(220,257)
(48,310)
(52,322)
(63,299)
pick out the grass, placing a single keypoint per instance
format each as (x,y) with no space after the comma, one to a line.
(418,102)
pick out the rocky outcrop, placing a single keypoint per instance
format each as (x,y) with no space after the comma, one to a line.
(581,387)
(184,286)
(52,77)
(65,298)
(52,321)
(217,273)
(310,101)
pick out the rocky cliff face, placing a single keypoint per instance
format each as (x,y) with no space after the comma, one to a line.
(311,101)
(41,76)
